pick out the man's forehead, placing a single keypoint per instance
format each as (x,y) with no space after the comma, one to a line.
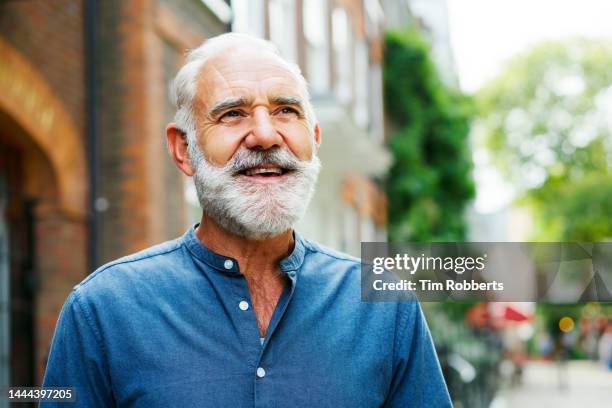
(247,57)
(240,73)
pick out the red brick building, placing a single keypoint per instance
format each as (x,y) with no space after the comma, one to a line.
(84,176)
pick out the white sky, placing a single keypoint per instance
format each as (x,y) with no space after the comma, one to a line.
(484,33)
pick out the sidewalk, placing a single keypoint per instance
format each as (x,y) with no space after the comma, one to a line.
(589,385)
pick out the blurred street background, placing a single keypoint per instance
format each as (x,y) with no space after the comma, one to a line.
(442,120)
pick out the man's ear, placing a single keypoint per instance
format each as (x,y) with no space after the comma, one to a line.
(317,135)
(177,147)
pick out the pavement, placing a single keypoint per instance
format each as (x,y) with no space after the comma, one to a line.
(588,385)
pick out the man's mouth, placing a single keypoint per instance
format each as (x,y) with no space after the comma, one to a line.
(276,171)
(265,172)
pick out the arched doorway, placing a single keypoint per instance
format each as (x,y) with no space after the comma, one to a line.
(18,278)
(43,235)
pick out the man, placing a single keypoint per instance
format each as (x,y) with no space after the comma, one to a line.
(241,311)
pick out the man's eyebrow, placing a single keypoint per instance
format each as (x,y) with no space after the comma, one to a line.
(229,103)
(288,100)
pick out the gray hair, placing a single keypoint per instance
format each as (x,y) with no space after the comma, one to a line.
(184,86)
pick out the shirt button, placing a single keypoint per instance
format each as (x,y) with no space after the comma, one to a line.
(261,373)
(243,305)
(228,264)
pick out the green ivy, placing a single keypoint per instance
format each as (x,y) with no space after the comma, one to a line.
(430,182)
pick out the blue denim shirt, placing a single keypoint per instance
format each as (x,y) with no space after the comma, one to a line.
(173,326)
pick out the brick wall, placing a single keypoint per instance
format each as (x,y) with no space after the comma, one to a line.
(49,33)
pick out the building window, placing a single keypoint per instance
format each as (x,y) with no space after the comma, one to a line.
(316,36)
(248,17)
(341,39)
(282,27)
(362,83)
(377,129)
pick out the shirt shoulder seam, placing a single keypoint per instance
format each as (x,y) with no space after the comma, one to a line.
(313,248)
(129,259)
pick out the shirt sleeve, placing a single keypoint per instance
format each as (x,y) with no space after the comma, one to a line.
(77,359)
(417,378)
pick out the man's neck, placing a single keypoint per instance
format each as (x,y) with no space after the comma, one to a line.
(255,258)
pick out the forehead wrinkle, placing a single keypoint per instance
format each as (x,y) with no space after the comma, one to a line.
(247,81)
(240,64)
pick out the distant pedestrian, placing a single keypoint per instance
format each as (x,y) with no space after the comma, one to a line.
(605,347)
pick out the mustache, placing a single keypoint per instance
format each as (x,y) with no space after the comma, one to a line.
(246,158)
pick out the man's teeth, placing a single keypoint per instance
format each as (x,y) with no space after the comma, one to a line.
(275,170)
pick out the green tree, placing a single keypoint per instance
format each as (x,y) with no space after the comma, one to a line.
(547,121)
(430,181)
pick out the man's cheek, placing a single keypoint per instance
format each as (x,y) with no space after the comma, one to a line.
(219,149)
(300,142)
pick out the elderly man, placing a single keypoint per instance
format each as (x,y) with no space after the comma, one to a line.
(241,311)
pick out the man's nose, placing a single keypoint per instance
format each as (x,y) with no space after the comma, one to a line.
(264,134)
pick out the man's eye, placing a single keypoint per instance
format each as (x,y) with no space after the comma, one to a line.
(231,114)
(287,110)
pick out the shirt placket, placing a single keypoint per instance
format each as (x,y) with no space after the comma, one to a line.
(241,309)
(264,368)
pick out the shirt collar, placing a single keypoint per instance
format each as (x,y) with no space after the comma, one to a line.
(227,264)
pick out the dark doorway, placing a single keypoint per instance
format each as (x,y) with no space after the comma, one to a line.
(18,236)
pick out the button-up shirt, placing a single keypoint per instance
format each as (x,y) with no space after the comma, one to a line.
(174,326)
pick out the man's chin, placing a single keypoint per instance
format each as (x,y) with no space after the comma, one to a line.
(256,232)
(257,219)
(267,223)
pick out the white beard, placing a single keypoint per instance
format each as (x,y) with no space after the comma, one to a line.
(251,209)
